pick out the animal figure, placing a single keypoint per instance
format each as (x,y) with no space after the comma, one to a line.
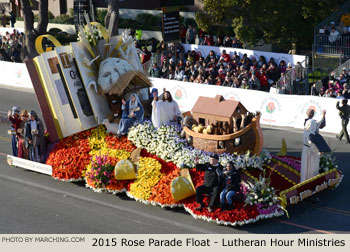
(189,122)
(115,104)
(226,129)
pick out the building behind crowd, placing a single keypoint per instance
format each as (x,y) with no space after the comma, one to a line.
(59,7)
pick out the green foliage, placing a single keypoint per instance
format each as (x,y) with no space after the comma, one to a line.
(63,37)
(100,16)
(50,15)
(190,21)
(280,22)
(133,24)
(62,19)
(54,31)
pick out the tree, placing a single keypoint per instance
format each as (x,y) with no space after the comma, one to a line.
(113,6)
(281,22)
(31,34)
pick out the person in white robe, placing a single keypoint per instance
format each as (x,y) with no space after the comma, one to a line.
(164,111)
(310,157)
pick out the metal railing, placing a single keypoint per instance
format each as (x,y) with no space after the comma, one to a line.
(295,81)
(336,72)
(324,44)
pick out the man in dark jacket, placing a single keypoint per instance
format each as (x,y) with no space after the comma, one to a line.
(344,113)
(211,184)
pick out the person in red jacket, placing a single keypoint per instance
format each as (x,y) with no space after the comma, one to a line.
(225,56)
(146,56)
(264,83)
(15,124)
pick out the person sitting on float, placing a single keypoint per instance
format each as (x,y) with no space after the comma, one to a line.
(211,184)
(231,185)
(132,111)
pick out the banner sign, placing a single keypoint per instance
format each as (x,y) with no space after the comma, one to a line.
(171,26)
(277,109)
(14,74)
(29,165)
(288,58)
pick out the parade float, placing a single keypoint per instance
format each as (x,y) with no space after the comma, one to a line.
(79,87)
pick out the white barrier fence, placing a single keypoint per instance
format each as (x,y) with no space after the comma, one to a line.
(277,110)
(288,58)
(14,74)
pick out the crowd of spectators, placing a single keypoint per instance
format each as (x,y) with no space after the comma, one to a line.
(335,35)
(336,87)
(11,46)
(222,70)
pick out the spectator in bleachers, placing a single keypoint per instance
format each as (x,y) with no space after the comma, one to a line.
(171,72)
(164,71)
(282,66)
(201,35)
(236,43)
(146,55)
(219,42)
(155,71)
(227,41)
(261,61)
(183,32)
(333,35)
(264,84)
(190,35)
(254,82)
(273,73)
(179,73)
(225,56)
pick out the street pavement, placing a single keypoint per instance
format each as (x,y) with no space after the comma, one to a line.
(35,203)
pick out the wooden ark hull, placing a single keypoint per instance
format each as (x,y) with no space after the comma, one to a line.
(250,138)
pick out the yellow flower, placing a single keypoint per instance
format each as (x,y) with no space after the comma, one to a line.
(148,176)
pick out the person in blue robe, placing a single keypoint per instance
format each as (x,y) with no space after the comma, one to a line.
(132,111)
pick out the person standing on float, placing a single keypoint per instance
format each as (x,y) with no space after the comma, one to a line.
(35,137)
(310,157)
(164,111)
(15,123)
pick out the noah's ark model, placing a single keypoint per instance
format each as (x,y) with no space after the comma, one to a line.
(224,126)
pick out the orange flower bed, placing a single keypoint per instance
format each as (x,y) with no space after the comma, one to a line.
(119,143)
(161,193)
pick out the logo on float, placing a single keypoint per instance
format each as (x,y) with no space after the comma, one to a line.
(270,107)
(312,108)
(19,73)
(178,94)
